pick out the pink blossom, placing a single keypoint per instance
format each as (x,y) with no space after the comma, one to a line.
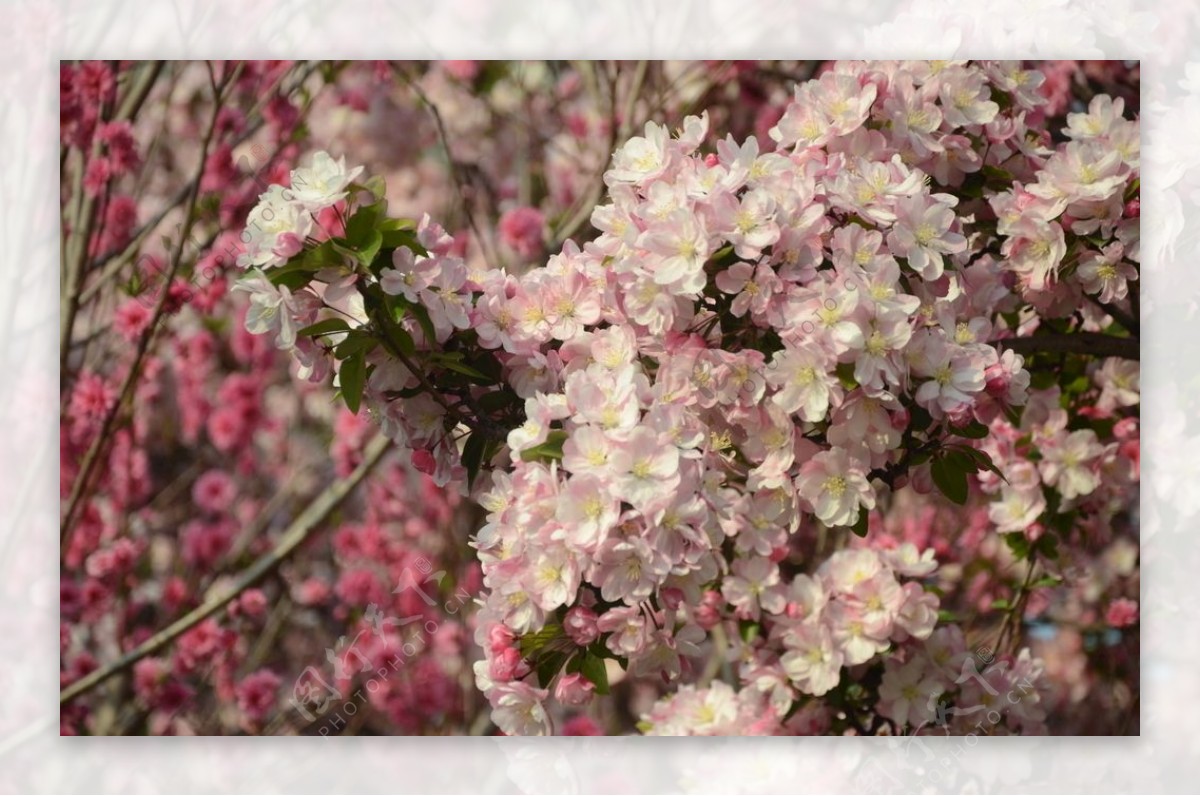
(1121,612)
(214,491)
(521,229)
(256,694)
(574,690)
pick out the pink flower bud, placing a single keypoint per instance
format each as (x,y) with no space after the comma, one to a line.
(288,244)
(500,638)
(423,460)
(574,690)
(671,597)
(998,380)
(960,415)
(580,625)
(508,665)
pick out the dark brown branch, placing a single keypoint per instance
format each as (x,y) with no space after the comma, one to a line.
(1117,314)
(1086,343)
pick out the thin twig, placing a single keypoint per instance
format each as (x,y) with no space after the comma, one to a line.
(295,535)
(123,256)
(455,170)
(1012,619)
(586,205)
(79,488)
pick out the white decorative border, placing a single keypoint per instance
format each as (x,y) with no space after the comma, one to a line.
(36,34)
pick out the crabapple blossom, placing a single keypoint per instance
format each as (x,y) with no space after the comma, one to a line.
(275,230)
(674,426)
(1070,463)
(322,182)
(907,691)
(802,381)
(835,487)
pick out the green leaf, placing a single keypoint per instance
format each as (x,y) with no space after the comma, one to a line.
(860,525)
(530,643)
(748,630)
(292,280)
(327,326)
(950,478)
(402,340)
(973,430)
(361,225)
(369,248)
(401,232)
(548,664)
(472,455)
(354,343)
(489,366)
(973,460)
(1001,605)
(1046,582)
(376,186)
(422,316)
(723,256)
(919,418)
(845,374)
(1043,379)
(594,670)
(997,178)
(1018,544)
(497,400)
(459,367)
(1047,545)
(552,448)
(352,377)
(1080,385)
(324,255)
(397,225)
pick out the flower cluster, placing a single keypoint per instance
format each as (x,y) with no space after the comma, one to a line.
(940,686)
(757,346)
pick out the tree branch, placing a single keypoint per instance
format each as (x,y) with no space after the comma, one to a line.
(1085,343)
(295,535)
(79,488)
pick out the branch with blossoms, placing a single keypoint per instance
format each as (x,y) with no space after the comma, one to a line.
(192,468)
(755,346)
